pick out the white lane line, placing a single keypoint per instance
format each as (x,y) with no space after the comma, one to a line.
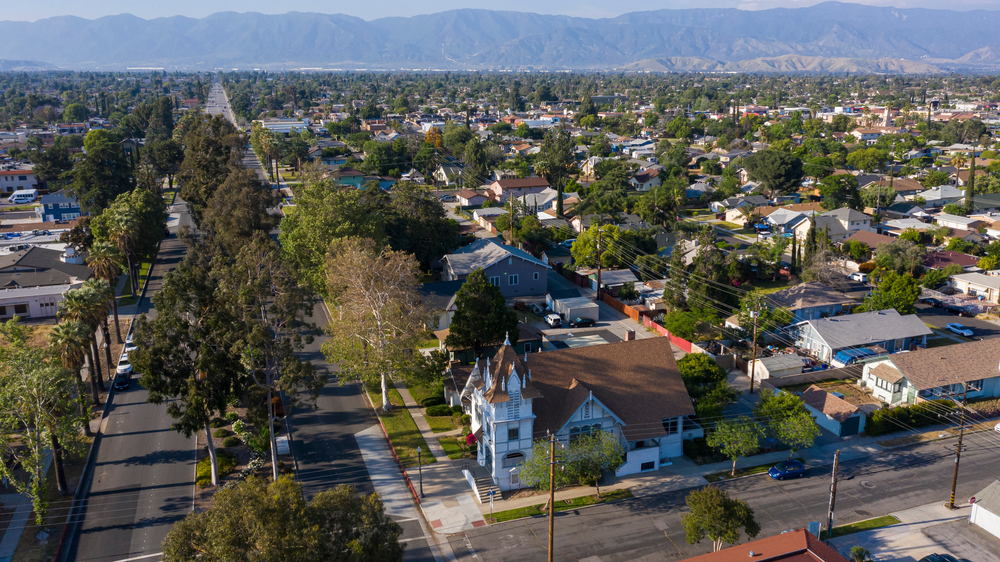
(140,557)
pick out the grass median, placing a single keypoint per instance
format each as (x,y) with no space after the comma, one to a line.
(402,430)
(561,505)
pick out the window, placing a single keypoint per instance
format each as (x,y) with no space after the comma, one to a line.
(512,279)
(22,178)
(534,276)
(647,465)
(515,480)
(670,426)
(495,281)
(20,309)
(513,434)
(64,205)
(527,348)
(3,311)
(513,459)
(976,385)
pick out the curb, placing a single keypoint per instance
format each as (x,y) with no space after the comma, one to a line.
(69,528)
(395,455)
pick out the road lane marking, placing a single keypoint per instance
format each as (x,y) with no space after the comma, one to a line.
(143,557)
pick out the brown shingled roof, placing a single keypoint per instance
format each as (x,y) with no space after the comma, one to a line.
(871,239)
(887,373)
(940,366)
(793,546)
(829,404)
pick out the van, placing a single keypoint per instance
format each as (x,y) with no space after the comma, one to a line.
(23,196)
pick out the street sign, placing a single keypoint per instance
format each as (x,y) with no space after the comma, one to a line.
(972,500)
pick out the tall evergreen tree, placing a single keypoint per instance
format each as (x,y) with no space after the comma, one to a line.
(482,318)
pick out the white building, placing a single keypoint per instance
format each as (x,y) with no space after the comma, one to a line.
(33,281)
(631,389)
(986,509)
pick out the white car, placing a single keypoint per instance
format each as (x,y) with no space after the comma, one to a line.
(130,347)
(863,277)
(959,329)
(553,320)
(997,428)
(124,367)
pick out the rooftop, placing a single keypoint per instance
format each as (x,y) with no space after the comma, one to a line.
(940,366)
(793,546)
(808,295)
(866,328)
(829,404)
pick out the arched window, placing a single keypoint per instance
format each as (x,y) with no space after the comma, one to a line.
(513,459)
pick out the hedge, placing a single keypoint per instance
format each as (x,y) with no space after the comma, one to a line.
(232,441)
(432,401)
(439,410)
(888,420)
(986,408)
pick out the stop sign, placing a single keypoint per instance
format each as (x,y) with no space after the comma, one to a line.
(972,500)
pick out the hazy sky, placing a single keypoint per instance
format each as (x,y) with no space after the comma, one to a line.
(90,9)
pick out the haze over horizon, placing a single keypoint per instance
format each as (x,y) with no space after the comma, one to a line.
(92,9)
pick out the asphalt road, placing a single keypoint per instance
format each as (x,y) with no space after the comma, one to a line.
(938,317)
(647,529)
(143,474)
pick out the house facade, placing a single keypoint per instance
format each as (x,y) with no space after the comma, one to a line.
(58,207)
(631,389)
(15,180)
(516,272)
(941,372)
(986,287)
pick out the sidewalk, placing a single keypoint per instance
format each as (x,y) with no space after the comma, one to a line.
(19,520)
(905,540)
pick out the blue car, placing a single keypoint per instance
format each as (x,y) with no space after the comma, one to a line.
(787,469)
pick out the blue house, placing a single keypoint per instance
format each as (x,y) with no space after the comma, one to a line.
(58,207)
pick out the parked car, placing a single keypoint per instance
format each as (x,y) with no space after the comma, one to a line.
(959,329)
(941,558)
(553,320)
(582,322)
(130,347)
(955,309)
(858,276)
(568,243)
(787,469)
(124,367)
(447,198)
(997,428)
(123,381)
(933,302)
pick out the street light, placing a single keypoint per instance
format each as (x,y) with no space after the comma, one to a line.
(420,471)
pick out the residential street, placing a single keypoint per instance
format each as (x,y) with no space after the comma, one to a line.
(143,474)
(649,528)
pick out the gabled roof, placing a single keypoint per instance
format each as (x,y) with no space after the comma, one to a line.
(866,328)
(522,183)
(482,254)
(943,366)
(40,266)
(506,363)
(944,258)
(846,214)
(871,239)
(829,404)
(808,295)
(989,498)
(793,546)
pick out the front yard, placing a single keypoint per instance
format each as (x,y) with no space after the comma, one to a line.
(402,430)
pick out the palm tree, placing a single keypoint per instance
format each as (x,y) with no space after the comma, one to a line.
(123,236)
(71,341)
(958,161)
(103,295)
(78,305)
(859,554)
(105,259)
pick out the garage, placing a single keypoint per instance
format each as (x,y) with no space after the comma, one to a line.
(986,509)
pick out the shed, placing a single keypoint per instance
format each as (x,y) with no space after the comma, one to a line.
(577,307)
(777,366)
(832,413)
(986,510)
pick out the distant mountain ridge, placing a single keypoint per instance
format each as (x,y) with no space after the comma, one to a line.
(829,37)
(24,65)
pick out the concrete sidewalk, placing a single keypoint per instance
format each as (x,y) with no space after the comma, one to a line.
(904,541)
(20,519)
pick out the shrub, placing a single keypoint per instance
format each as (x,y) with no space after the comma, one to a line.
(231,417)
(435,400)
(217,422)
(439,410)
(866,267)
(220,433)
(456,409)
(888,420)
(227,462)
(232,441)
(466,420)
(986,408)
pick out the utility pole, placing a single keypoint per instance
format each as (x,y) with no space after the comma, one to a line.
(833,495)
(958,448)
(599,232)
(753,344)
(552,491)
(510,240)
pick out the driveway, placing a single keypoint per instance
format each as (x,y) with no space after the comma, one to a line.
(938,317)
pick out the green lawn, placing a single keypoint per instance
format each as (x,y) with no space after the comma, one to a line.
(289,209)
(168,196)
(440,424)
(768,287)
(729,225)
(526,316)
(759,469)
(450,446)
(560,505)
(402,430)
(20,208)
(420,392)
(866,525)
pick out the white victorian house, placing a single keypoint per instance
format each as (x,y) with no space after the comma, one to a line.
(632,389)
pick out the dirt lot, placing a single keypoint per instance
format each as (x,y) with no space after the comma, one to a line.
(848,387)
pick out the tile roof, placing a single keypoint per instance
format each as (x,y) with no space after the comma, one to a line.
(793,546)
(808,295)
(871,239)
(829,404)
(938,366)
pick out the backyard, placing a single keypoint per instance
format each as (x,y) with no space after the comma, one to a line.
(848,387)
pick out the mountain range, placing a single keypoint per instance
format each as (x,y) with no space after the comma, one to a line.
(828,37)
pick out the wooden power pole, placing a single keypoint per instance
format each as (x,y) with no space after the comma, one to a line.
(958,449)
(552,491)
(833,495)
(753,356)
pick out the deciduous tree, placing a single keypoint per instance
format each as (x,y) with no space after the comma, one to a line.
(715,515)
(736,438)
